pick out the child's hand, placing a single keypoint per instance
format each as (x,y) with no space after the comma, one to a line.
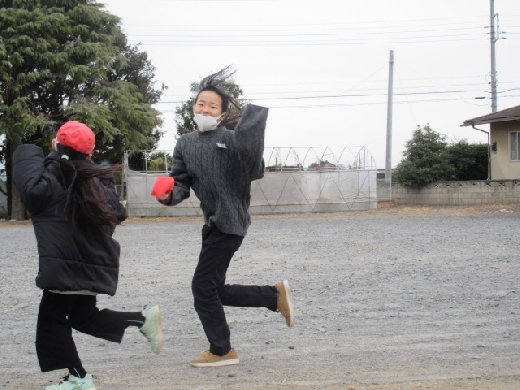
(163,188)
(165,199)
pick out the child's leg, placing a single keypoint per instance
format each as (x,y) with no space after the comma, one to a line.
(54,343)
(249,296)
(111,325)
(107,324)
(275,298)
(209,277)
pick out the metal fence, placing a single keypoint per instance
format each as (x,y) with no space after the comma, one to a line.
(296,180)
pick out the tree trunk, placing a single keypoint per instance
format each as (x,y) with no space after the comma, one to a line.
(15,208)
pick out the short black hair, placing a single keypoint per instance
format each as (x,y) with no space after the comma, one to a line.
(216,83)
(223,96)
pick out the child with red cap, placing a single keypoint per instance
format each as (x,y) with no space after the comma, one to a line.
(74,209)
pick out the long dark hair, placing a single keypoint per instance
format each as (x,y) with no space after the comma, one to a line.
(90,204)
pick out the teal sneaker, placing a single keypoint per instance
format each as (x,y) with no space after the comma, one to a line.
(152,327)
(70,382)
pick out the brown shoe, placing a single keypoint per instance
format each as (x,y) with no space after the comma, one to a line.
(285,305)
(207,359)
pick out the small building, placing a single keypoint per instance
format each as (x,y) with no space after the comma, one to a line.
(504,142)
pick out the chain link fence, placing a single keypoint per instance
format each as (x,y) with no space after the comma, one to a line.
(296,179)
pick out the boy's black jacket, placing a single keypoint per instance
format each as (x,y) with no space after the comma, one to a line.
(68,259)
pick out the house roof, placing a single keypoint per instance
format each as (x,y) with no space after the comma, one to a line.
(507,115)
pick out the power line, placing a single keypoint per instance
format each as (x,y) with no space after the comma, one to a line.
(357,104)
(261,33)
(277,35)
(378,92)
(346,96)
(456,21)
(307,84)
(291,43)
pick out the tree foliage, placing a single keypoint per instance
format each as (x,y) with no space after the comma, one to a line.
(69,60)
(429,158)
(425,159)
(160,161)
(184,112)
(469,160)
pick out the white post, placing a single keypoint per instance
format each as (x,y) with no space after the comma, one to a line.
(493,39)
(388,161)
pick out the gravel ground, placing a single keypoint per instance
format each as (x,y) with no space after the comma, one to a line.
(393,298)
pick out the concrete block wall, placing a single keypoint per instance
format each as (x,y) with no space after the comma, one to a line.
(454,193)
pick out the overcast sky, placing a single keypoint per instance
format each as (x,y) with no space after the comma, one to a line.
(322,67)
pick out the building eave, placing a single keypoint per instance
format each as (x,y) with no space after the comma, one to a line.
(507,115)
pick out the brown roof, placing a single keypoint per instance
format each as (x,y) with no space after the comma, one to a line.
(507,115)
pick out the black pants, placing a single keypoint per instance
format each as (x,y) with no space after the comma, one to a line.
(60,313)
(211,293)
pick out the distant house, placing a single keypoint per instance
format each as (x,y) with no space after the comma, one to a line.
(504,139)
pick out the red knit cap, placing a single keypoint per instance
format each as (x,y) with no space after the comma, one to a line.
(78,136)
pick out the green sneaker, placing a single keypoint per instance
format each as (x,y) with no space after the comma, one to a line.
(152,327)
(70,382)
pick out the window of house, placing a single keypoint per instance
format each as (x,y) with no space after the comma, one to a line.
(515,142)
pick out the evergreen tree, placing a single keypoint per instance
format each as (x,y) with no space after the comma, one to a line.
(425,160)
(470,161)
(68,60)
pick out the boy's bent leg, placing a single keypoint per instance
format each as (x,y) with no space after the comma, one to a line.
(275,298)
(249,296)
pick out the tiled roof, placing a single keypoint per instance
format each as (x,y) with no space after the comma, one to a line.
(507,115)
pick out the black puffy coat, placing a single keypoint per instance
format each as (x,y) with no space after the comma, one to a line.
(69,260)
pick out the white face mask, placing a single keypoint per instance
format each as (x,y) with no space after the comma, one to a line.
(206,123)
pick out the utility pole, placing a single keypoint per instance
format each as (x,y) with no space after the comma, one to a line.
(388,162)
(493,39)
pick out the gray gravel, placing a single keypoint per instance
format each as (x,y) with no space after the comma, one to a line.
(400,297)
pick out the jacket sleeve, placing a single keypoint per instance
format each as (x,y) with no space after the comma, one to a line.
(249,139)
(114,200)
(33,178)
(181,190)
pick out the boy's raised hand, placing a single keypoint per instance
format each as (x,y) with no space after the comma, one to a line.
(165,199)
(163,188)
